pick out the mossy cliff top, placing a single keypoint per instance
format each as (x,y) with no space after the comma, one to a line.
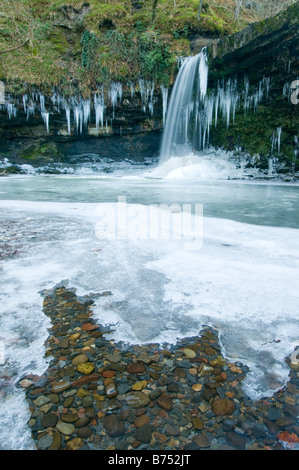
(81,44)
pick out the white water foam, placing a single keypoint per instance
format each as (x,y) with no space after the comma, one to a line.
(209,165)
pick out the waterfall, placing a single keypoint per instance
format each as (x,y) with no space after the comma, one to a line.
(191,81)
(193,108)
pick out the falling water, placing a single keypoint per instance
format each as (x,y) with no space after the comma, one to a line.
(191,81)
(193,109)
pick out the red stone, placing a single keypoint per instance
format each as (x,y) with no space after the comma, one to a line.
(86,379)
(289,437)
(136,368)
(108,373)
(88,327)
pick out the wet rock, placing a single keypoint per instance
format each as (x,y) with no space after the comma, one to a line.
(59,387)
(223,406)
(189,353)
(236,440)
(172,430)
(65,428)
(136,367)
(142,420)
(74,444)
(274,413)
(198,423)
(144,433)
(114,425)
(139,385)
(165,401)
(69,417)
(201,441)
(45,442)
(80,359)
(136,399)
(259,431)
(179,402)
(111,390)
(49,420)
(81,422)
(56,444)
(41,400)
(86,368)
(84,432)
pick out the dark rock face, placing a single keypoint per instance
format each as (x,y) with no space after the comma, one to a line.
(269,50)
(130,128)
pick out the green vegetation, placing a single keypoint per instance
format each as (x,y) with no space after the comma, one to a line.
(249,135)
(46,42)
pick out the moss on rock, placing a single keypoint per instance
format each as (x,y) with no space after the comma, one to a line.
(43,154)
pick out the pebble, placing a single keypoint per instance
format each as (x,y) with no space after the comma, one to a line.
(80,359)
(65,428)
(86,368)
(223,406)
(100,395)
(136,399)
(45,442)
(114,426)
(144,433)
(189,353)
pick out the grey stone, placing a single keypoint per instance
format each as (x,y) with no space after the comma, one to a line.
(144,433)
(45,441)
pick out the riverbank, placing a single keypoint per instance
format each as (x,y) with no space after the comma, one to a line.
(103,166)
(100,395)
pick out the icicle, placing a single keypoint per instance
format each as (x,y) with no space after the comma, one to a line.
(142,92)
(99,109)
(68,118)
(30,109)
(25,99)
(203,74)
(115,94)
(45,117)
(12,110)
(42,103)
(44,113)
(132,89)
(164,101)
(86,111)
(296,146)
(150,97)
(279,131)
(78,113)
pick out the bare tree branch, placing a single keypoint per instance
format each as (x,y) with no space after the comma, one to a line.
(15,47)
